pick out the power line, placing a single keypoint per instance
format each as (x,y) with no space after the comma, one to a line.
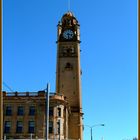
(8,87)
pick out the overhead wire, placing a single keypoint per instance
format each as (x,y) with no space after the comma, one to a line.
(6,85)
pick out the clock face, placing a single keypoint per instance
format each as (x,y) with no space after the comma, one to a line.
(68,34)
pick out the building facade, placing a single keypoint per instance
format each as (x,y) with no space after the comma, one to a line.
(25,115)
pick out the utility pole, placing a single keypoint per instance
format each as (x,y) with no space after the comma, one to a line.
(91,132)
(1,115)
(1,94)
(47,109)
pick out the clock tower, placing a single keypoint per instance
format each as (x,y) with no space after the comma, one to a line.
(68,73)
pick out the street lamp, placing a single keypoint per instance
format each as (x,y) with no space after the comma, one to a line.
(93,126)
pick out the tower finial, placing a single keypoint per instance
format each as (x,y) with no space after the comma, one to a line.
(68,5)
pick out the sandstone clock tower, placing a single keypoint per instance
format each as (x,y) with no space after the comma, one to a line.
(68,73)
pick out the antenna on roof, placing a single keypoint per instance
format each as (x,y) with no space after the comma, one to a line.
(7,86)
(68,5)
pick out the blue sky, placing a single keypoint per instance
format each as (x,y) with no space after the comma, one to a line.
(108,58)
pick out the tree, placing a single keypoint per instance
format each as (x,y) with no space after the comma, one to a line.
(135,138)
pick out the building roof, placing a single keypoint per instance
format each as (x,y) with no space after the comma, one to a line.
(69,16)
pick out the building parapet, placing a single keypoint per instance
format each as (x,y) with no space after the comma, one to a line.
(24,94)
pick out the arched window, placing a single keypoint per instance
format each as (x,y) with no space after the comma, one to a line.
(68,66)
(59,112)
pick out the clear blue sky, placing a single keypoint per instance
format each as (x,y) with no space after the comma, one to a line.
(108,57)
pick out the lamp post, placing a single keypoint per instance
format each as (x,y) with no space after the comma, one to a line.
(92,127)
(31,136)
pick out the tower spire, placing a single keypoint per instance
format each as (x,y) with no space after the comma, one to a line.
(68,5)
